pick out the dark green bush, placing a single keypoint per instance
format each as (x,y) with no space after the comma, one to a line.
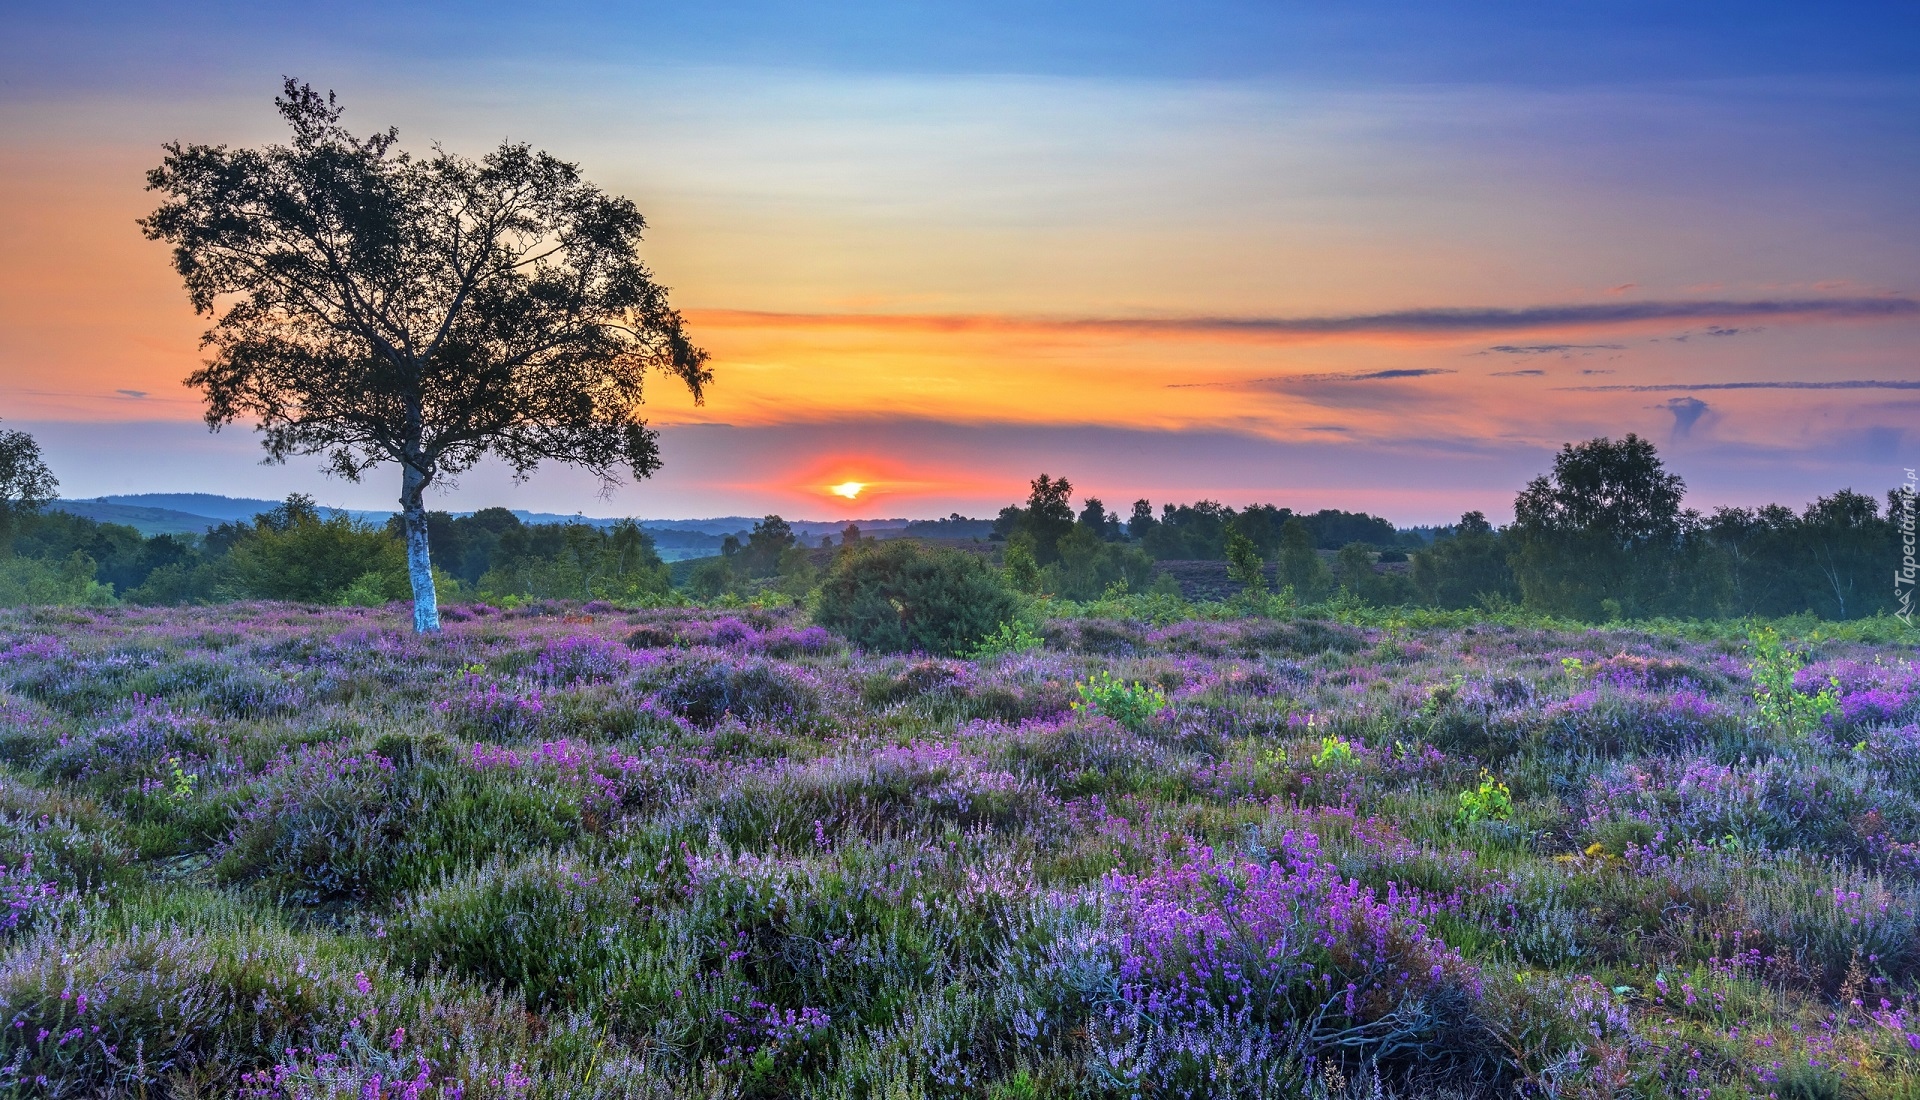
(755,690)
(901,597)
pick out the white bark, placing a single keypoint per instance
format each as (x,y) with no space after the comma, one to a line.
(426,602)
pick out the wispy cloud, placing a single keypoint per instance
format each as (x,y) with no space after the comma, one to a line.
(1713,330)
(1409,322)
(1301,380)
(1550,349)
(1518,373)
(135,394)
(1842,384)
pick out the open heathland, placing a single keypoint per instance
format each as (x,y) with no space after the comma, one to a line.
(273,851)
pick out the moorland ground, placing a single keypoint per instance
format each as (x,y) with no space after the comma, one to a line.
(279,851)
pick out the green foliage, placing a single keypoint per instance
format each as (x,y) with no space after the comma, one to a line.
(1088,567)
(771,538)
(798,576)
(1132,704)
(1021,568)
(1334,752)
(25,483)
(1784,708)
(291,553)
(1012,636)
(1300,566)
(710,579)
(1048,515)
(1490,801)
(1606,525)
(1361,583)
(524,329)
(1466,570)
(1830,560)
(180,790)
(899,596)
(579,561)
(1244,566)
(29,582)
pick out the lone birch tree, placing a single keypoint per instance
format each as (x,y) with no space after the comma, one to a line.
(372,306)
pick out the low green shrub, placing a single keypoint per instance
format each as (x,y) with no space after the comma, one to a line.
(899,597)
(1133,705)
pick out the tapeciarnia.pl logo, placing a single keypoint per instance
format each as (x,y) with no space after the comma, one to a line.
(1903,576)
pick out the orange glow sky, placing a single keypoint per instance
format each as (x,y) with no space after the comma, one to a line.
(940,281)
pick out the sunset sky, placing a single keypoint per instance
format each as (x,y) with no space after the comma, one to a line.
(1374,256)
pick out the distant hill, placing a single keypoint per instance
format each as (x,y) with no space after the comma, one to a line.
(210,505)
(148,521)
(195,513)
(218,508)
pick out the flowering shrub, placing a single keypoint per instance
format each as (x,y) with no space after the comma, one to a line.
(572,661)
(494,711)
(1294,947)
(23,895)
(150,731)
(705,690)
(284,852)
(547,928)
(325,826)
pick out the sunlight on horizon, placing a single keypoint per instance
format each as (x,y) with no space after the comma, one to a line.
(848,489)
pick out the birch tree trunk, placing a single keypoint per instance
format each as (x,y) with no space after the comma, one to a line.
(413,510)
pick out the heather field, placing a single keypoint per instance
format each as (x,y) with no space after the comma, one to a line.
(281,851)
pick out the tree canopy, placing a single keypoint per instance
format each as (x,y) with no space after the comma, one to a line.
(26,484)
(372,306)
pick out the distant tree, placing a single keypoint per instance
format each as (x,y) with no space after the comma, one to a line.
(1022,571)
(851,535)
(1007,523)
(26,485)
(424,311)
(1333,529)
(760,557)
(1048,515)
(1095,517)
(293,554)
(1089,565)
(1603,534)
(1848,548)
(1300,564)
(1353,571)
(1196,531)
(710,578)
(1465,570)
(1244,564)
(1141,521)
(1261,524)
(1759,549)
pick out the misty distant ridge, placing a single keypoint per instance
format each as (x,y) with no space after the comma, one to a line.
(195,513)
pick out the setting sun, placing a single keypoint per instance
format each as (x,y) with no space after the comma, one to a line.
(847,489)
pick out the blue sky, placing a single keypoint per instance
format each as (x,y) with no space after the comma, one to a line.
(904,230)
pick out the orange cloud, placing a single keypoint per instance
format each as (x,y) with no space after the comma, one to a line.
(1430,324)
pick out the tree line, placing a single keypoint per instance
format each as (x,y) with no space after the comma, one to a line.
(1603,535)
(296,552)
